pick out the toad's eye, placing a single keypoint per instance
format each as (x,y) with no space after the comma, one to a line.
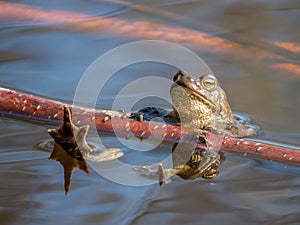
(209,82)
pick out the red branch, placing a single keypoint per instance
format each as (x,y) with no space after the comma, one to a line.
(13,103)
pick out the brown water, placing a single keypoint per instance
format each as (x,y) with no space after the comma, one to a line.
(45,59)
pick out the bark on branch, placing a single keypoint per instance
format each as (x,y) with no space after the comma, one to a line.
(26,106)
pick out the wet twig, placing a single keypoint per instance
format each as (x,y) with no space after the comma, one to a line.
(25,106)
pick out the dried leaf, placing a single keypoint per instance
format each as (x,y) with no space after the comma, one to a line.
(70,147)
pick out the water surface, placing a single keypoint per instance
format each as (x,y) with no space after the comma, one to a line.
(48,59)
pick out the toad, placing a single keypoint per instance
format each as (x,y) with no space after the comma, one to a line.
(201,103)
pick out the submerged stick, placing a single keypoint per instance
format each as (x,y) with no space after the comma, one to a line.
(26,106)
(80,22)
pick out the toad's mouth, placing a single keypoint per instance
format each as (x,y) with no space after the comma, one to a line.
(189,89)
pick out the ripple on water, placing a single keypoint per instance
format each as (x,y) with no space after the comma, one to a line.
(18,140)
(21,155)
